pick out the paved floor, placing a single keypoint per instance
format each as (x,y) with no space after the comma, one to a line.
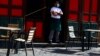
(54,51)
(42,49)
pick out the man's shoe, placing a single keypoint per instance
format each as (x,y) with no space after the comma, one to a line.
(58,41)
(50,42)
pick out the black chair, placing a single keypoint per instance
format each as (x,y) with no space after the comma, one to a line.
(29,39)
(94,39)
(73,39)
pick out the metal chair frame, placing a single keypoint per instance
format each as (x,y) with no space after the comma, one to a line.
(29,39)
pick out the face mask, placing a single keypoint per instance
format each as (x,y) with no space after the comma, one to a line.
(58,5)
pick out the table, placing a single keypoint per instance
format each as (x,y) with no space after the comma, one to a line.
(11,29)
(91,30)
(94,30)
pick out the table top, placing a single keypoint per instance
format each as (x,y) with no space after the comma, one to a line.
(93,30)
(9,28)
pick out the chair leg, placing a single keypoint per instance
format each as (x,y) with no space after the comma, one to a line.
(25,48)
(73,43)
(5,43)
(17,45)
(86,43)
(14,44)
(67,43)
(33,49)
(91,43)
(96,43)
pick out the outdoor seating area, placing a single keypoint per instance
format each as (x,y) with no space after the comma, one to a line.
(70,48)
(49,27)
(52,51)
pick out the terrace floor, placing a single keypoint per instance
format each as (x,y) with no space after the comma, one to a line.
(54,51)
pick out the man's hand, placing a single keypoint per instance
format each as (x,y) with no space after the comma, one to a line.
(60,13)
(54,13)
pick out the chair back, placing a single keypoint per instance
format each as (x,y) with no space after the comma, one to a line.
(71,28)
(71,32)
(93,34)
(31,34)
(12,25)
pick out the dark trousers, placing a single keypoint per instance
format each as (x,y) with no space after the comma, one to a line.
(56,35)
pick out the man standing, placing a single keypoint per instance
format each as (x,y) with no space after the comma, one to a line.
(55,25)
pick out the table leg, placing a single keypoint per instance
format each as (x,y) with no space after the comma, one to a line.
(17,47)
(82,41)
(9,44)
(89,36)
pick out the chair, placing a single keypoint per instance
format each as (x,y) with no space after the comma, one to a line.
(94,38)
(29,39)
(72,38)
(6,37)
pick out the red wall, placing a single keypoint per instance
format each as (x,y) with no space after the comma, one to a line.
(74,7)
(17,2)
(3,11)
(39,29)
(16,8)
(16,12)
(4,2)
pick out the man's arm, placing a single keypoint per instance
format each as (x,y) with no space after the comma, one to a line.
(54,13)
(61,13)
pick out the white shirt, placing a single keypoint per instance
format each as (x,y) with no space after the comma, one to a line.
(56,9)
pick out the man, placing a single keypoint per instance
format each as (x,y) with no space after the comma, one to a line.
(55,25)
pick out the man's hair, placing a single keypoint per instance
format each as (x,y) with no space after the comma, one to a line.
(56,2)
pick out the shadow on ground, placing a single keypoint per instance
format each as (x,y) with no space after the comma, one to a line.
(63,51)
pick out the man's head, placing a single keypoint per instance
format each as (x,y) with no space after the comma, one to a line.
(57,4)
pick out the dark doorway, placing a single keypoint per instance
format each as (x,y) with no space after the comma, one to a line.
(43,16)
(49,4)
(35,19)
(34,5)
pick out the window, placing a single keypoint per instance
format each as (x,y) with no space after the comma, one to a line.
(4,11)
(73,5)
(4,2)
(73,17)
(17,2)
(16,12)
